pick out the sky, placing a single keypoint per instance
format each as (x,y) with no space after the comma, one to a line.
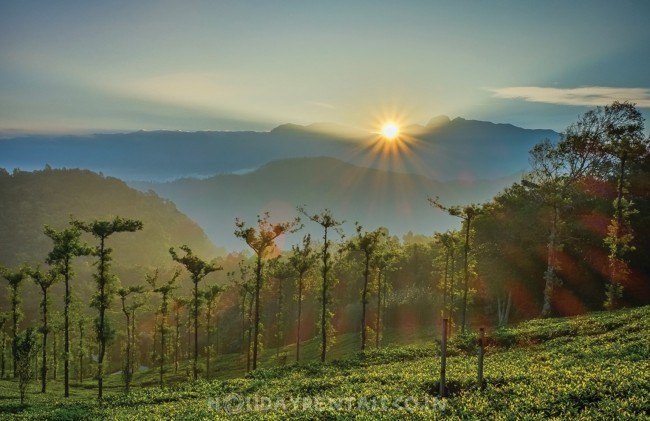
(109,66)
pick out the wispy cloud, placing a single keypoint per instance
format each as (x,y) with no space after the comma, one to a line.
(586,95)
(321,104)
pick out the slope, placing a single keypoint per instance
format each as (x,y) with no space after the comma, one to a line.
(595,366)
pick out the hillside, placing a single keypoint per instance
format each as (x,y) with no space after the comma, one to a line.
(373,197)
(444,149)
(595,366)
(33,199)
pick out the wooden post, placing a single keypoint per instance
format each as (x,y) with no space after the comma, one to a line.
(443,358)
(481,351)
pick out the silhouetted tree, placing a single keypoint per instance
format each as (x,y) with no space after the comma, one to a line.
(327,221)
(15,279)
(101,230)
(44,280)
(262,242)
(198,270)
(67,246)
(303,261)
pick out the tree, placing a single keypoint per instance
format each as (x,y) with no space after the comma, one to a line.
(327,222)
(623,142)
(4,317)
(129,310)
(303,261)
(105,281)
(281,271)
(44,280)
(25,347)
(210,295)
(386,258)
(198,269)
(262,242)
(368,243)
(67,246)
(467,214)
(178,303)
(164,291)
(15,279)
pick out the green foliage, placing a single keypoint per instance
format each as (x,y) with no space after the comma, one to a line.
(589,367)
(25,346)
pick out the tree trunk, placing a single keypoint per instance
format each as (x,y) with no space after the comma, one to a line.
(323,319)
(378,320)
(44,358)
(102,309)
(300,280)
(196,328)
(466,286)
(364,301)
(66,329)
(256,325)
(549,276)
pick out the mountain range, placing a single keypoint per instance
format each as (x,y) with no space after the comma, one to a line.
(370,196)
(443,149)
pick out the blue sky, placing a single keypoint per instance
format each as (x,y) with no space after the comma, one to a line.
(85,66)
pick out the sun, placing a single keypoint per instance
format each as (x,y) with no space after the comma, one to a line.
(390,131)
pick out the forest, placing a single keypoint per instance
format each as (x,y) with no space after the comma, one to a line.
(101,278)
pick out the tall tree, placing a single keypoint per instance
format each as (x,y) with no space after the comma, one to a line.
(102,230)
(198,269)
(467,214)
(281,271)
(210,296)
(44,280)
(623,143)
(386,259)
(164,291)
(127,369)
(368,243)
(67,246)
(303,261)
(15,279)
(327,222)
(178,303)
(262,242)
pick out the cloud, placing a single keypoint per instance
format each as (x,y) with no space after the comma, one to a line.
(586,95)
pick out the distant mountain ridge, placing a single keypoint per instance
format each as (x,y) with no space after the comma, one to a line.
(444,149)
(373,197)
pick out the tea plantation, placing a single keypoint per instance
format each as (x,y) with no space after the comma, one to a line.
(595,366)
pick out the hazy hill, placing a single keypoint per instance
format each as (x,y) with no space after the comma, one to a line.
(32,199)
(443,149)
(371,196)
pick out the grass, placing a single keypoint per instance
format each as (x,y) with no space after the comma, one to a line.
(592,366)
